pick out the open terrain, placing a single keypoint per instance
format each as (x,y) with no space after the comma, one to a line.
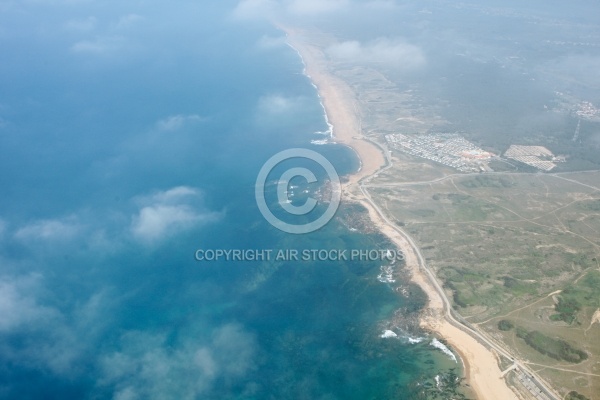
(522,248)
(515,252)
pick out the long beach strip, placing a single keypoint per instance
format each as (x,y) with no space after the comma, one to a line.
(481,366)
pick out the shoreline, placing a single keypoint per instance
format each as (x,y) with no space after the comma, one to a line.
(340,117)
(480,365)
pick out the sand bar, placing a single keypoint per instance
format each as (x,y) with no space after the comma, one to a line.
(481,365)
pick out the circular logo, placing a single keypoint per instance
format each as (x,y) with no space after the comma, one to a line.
(282,191)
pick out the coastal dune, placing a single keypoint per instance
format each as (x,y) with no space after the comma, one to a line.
(481,366)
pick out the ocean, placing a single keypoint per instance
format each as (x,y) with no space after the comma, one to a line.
(126,151)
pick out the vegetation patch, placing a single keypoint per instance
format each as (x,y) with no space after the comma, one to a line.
(566,310)
(505,325)
(592,205)
(499,254)
(488,182)
(458,198)
(586,293)
(519,287)
(576,396)
(554,348)
(423,213)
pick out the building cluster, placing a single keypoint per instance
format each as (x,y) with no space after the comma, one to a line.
(531,385)
(587,110)
(449,149)
(535,156)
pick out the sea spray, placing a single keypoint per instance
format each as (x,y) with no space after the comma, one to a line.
(441,346)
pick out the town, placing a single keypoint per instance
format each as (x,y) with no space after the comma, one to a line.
(535,156)
(450,149)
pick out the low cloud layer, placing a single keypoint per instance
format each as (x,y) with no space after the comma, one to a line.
(275,104)
(396,53)
(269,42)
(98,45)
(51,339)
(167,213)
(176,122)
(141,365)
(312,7)
(81,24)
(254,9)
(17,307)
(148,367)
(258,9)
(157,216)
(49,229)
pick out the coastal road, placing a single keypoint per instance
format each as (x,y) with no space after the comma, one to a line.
(557,175)
(448,311)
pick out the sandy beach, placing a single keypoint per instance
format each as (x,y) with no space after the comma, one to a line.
(480,364)
(340,106)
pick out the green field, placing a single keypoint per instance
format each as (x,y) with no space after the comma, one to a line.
(517,254)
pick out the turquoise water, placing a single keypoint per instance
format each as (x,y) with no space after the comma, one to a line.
(115,169)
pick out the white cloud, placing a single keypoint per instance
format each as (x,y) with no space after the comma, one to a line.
(253,9)
(154,221)
(233,350)
(61,348)
(21,313)
(49,229)
(277,104)
(260,9)
(175,195)
(146,367)
(176,122)
(59,2)
(81,25)
(158,216)
(51,342)
(275,109)
(397,53)
(99,45)
(269,42)
(382,5)
(128,21)
(170,212)
(17,306)
(308,7)
(108,40)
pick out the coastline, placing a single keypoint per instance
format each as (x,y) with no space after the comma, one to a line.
(480,364)
(339,107)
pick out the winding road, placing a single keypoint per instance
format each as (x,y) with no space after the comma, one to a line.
(450,315)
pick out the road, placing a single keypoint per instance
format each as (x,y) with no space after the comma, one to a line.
(558,175)
(450,314)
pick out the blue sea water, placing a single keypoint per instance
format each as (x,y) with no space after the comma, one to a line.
(127,146)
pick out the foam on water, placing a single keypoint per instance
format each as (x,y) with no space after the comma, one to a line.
(329,131)
(441,346)
(403,336)
(388,334)
(387,274)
